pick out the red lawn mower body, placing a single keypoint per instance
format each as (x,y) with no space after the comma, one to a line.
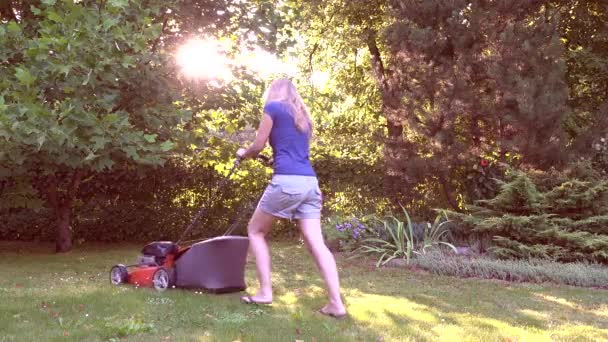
(142,276)
(215,265)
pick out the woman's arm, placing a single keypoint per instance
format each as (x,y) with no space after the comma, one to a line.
(260,139)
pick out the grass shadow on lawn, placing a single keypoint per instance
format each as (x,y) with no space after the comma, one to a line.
(428,306)
(438,304)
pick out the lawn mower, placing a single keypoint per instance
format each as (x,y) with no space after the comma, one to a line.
(215,265)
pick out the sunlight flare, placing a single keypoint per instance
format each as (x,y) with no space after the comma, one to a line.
(204,59)
(208,60)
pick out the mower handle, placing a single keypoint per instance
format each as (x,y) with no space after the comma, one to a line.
(220,186)
(265,159)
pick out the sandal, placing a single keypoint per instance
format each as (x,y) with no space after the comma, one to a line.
(333,315)
(250,300)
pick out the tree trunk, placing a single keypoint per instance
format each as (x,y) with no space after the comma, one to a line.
(391,106)
(64,235)
(393,155)
(448,192)
(61,202)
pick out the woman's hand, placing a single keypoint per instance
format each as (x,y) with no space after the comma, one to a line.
(260,140)
(240,153)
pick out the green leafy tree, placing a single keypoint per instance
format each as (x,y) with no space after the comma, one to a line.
(121,198)
(82,91)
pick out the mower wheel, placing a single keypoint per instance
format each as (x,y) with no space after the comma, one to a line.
(163,278)
(119,274)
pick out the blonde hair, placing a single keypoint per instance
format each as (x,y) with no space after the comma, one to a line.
(284,91)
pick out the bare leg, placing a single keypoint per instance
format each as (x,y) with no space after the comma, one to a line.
(311,229)
(258,227)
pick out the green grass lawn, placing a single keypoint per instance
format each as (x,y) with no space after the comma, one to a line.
(49,297)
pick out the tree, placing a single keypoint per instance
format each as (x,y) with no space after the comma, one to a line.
(585,37)
(481,79)
(459,82)
(81,92)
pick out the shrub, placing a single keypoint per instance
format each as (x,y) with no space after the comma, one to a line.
(27,224)
(565,222)
(533,270)
(157,205)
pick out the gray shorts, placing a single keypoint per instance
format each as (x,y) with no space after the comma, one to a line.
(292,197)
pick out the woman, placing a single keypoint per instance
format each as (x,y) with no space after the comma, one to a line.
(293,192)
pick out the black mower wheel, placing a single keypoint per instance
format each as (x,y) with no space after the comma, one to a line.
(163,279)
(119,274)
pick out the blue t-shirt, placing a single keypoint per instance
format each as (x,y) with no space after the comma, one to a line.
(290,147)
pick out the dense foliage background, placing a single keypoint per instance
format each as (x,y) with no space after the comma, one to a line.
(420,103)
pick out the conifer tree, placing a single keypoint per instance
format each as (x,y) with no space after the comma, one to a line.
(477,78)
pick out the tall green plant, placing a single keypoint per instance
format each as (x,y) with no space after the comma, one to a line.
(396,239)
(435,233)
(399,242)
